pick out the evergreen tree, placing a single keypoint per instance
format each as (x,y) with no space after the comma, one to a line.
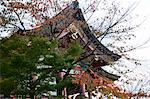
(29,63)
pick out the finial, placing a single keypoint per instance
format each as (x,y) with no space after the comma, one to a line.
(75,4)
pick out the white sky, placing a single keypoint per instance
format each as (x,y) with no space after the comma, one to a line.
(142,34)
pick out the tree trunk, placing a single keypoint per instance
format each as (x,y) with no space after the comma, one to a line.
(89,95)
(81,95)
(32,93)
(32,96)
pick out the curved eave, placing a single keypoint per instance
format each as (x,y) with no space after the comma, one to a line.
(105,54)
(106,74)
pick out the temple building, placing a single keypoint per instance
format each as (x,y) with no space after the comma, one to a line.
(70,26)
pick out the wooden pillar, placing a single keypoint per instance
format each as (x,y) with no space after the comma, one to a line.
(83,89)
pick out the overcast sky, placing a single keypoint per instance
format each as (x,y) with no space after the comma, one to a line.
(142,35)
(143,32)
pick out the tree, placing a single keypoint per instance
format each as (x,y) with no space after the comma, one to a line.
(30,63)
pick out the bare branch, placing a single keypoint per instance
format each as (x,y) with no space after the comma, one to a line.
(20,20)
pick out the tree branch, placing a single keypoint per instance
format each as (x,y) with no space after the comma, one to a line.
(20,20)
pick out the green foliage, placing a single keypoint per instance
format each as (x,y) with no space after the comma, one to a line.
(8,86)
(75,50)
(22,56)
